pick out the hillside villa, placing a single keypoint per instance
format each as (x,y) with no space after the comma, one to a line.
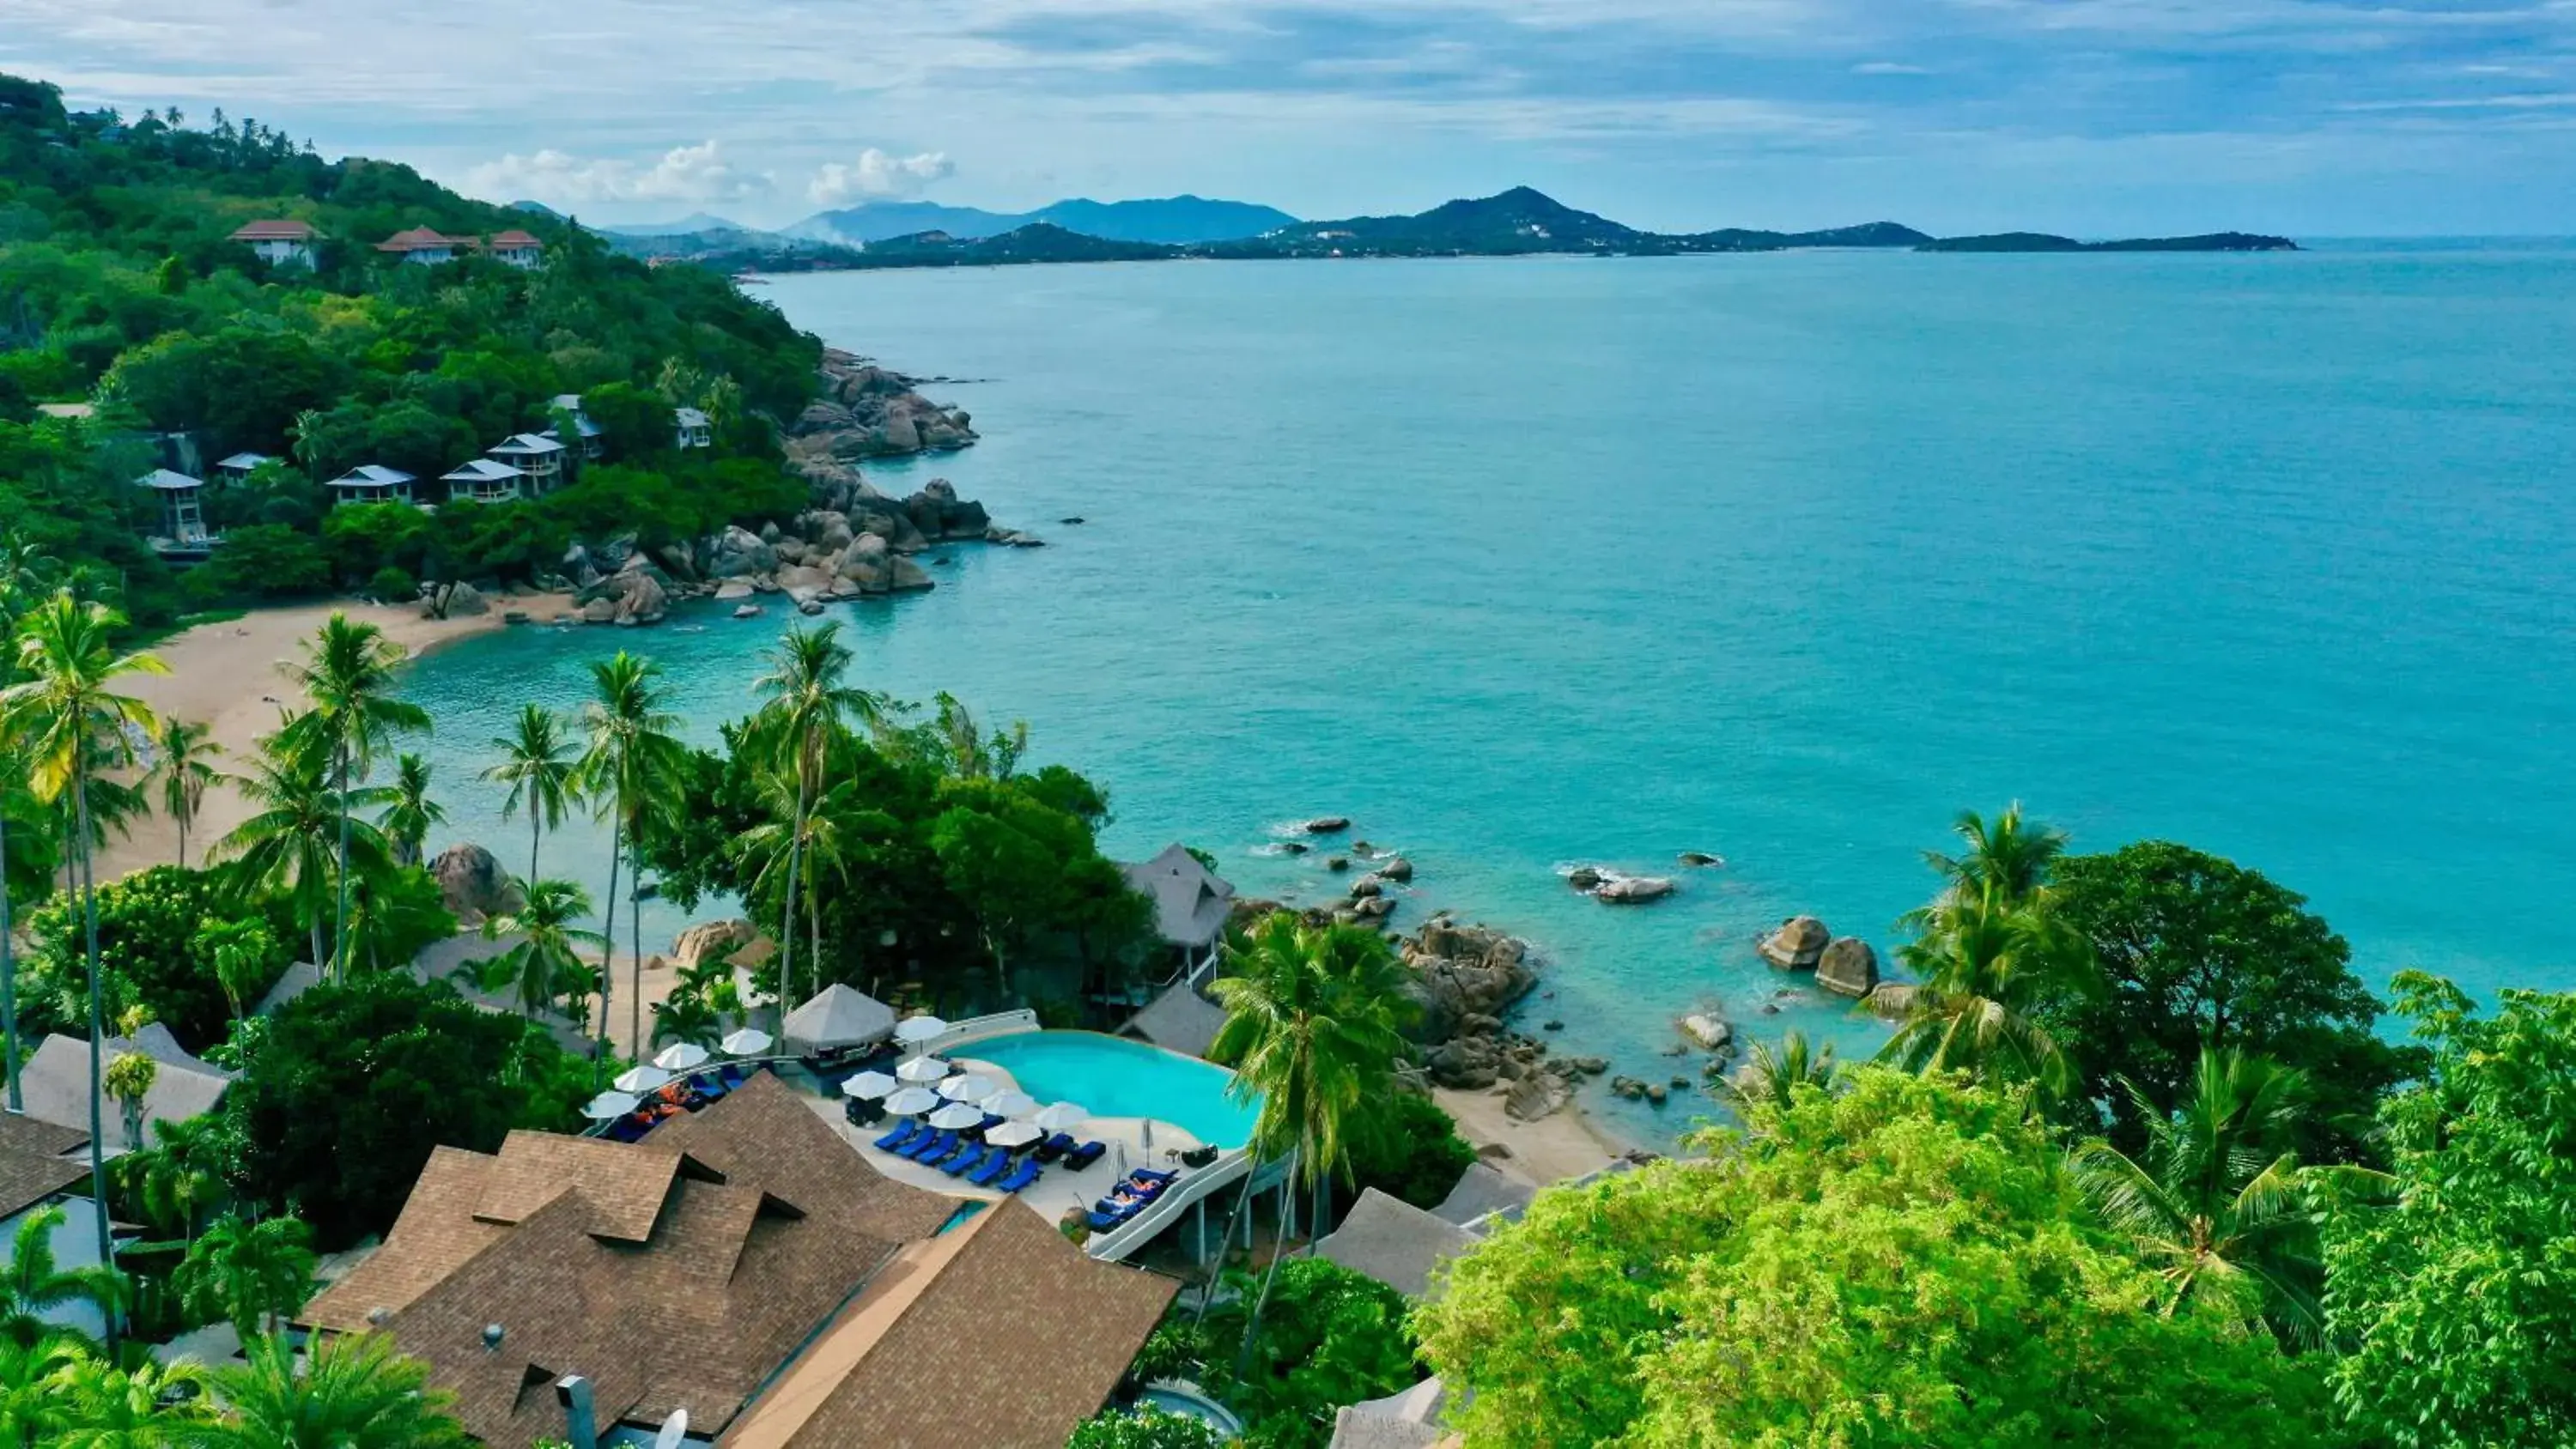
(371,483)
(279,242)
(421,246)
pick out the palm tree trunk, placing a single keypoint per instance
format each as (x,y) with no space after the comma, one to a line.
(1225,1244)
(787,918)
(97,1031)
(536,832)
(340,923)
(182,819)
(318,958)
(608,927)
(814,920)
(1278,1251)
(635,958)
(1323,1205)
(8,973)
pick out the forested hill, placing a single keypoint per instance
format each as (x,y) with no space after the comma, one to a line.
(120,290)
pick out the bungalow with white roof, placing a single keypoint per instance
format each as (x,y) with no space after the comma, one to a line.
(694,429)
(424,247)
(279,242)
(183,521)
(371,483)
(516,248)
(238,468)
(591,433)
(539,457)
(484,480)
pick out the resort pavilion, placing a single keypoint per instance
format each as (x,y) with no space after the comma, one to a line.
(183,519)
(483,480)
(539,457)
(371,483)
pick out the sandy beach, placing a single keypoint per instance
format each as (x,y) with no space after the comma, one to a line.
(227,676)
(1566,1144)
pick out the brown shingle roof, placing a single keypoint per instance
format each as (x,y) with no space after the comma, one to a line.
(764,1132)
(435,1235)
(274,231)
(998,1335)
(421,238)
(514,238)
(21,1133)
(28,1178)
(626,1186)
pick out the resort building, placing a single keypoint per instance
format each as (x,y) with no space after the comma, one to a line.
(371,483)
(516,249)
(38,1171)
(279,242)
(1409,1420)
(539,457)
(183,518)
(1191,904)
(694,429)
(238,468)
(483,480)
(1393,1241)
(744,1266)
(591,433)
(54,1080)
(424,247)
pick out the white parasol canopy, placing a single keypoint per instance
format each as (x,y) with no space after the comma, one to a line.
(1063,1116)
(922,1069)
(914,1030)
(955,1115)
(751,1041)
(1011,1104)
(679,1056)
(645,1078)
(609,1106)
(1014,1134)
(838,1016)
(970,1087)
(868,1086)
(913,1101)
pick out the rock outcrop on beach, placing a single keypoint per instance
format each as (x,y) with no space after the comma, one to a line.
(473,884)
(1798,945)
(1848,967)
(719,939)
(865,411)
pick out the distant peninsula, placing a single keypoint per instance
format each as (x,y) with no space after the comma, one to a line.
(1518,222)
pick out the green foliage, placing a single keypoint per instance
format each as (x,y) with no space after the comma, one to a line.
(1328,1337)
(393,584)
(2458,1304)
(1908,1262)
(348,1391)
(153,938)
(252,1275)
(1405,1146)
(1142,1427)
(2198,951)
(262,561)
(35,1283)
(1314,1022)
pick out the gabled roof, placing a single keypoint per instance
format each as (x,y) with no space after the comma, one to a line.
(999,1334)
(55,1080)
(1394,1242)
(766,1131)
(689,417)
(371,475)
(525,444)
(245,461)
(1409,1420)
(435,1235)
(1481,1191)
(481,470)
(514,238)
(422,239)
(1190,902)
(167,481)
(625,1184)
(1180,1020)
(274,231)
(32,1164)
(839,1016)
(291,983)
(22,1133)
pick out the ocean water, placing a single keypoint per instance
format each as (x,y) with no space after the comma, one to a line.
(1789,558)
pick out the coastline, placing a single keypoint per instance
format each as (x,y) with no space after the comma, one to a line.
(1567,1143)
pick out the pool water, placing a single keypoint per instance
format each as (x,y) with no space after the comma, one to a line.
(1114,1077)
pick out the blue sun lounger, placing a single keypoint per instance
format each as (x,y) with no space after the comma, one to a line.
(1083,1156)
(1150,1175)
(1027,1173)
(938,1145)
(900,1138)
(970,1154)
(1054,1147)
(997,1160)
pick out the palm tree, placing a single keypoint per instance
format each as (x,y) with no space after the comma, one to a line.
(545,961)
(779,845)
(36,1284)
(686,1018)
(67,713)
(152,1406)
(180,1175)
(184,768)
(346,1392)
(284,850)
(1773,1076)
(2007,861)
(805,701)
(1314,1028)
(631,760)
(1983,975)
(410,812)
(27,854)
(243,952)
(249,1274)
(347,673)
(2216,1202)
(129,1080)
(32,1409)
(539,765)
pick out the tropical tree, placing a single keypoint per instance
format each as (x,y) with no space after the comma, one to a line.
(2007,860)
(176,1179)
(32,1407)
(1773,1075)
(346,1391)
(36,1283)
(285,850)
(806,699)
(690,1019)
(129,1080)
(1984,974)
(632,758)
(796,831)
(347,673)
(150,1406)
(183,766)
(409,812)
(245,954)
(542,768)
(252,1275)
(2217,1203)
(68,716)
(546,961)
(26,863)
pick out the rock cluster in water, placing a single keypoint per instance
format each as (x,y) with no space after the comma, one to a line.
(865,411)
(1844,965)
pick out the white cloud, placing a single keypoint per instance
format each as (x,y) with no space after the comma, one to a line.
(695,174)
(877,176)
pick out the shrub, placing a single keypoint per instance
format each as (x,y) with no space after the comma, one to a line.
(151,941)
(1410,1149)
(392,585)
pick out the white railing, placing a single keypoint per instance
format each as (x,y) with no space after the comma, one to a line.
(1127,1237)
(981,1028)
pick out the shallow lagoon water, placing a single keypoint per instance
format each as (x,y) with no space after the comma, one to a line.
(1787,558)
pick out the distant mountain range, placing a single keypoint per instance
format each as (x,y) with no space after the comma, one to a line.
(1518,222)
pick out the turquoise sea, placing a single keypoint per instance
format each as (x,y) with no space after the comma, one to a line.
(1524,563)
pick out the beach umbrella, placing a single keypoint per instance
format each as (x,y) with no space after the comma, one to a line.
(1011,1104)
(679,1056)
(1118,1155)
(751,1041)
(956,1115)
(922,1069)
(1063,1117)
(913,1101)
(867,1086)
(609,1106)
(971,1087)
(1014,1134)
(914,1030)
(645,1078)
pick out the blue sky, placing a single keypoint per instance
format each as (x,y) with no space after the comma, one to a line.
(2093,117)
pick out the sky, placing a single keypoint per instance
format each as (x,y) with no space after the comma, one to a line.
(2087,117)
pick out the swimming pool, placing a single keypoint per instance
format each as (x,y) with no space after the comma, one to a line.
(1115,1077)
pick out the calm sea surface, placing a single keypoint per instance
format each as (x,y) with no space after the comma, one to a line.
(1786,558)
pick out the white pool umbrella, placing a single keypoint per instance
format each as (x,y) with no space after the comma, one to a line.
(751,1041)
(867,1086)
(956,1115)
(972,1087)
(645,1078)
(1063,1117)
(1014,1134)
(1011,1104)
(679,1056)
(913,1101)
(914,1030)
(922,1069)
(609,1106)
